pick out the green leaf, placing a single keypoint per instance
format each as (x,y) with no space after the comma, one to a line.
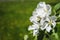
(56,7)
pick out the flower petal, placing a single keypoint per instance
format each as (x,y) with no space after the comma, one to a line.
(48,8)
(41,5)
(30,28)
(33,27)
(33,19)
(53,18)
(44,26)
(35,32)
(54,24)
(48,29)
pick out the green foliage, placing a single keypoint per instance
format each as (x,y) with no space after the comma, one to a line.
(56,8)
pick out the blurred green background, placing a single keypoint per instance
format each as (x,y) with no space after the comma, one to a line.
(14,18)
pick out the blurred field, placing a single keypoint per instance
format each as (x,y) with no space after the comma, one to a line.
(14,18)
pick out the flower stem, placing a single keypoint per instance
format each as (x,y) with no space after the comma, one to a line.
(35,37)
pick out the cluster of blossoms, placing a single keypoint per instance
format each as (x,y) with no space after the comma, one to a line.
(41,19)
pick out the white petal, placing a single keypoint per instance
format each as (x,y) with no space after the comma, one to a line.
(41,5)
(48,9)
(54,24)
(48,29)
(48,19)
(44,27)
(33,27)
(41,13)
(33,19)
(35,32)
(30,28)
(53,18)
(42,21)
(36,26)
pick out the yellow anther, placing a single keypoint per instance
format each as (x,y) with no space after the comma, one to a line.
(50,22)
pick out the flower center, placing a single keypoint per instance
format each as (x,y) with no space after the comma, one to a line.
(50,22)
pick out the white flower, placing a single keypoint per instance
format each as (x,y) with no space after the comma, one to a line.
(51,20)
(48,23)
(42,10)
(47,27)
(41,19)
(34,28)
(46,7)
